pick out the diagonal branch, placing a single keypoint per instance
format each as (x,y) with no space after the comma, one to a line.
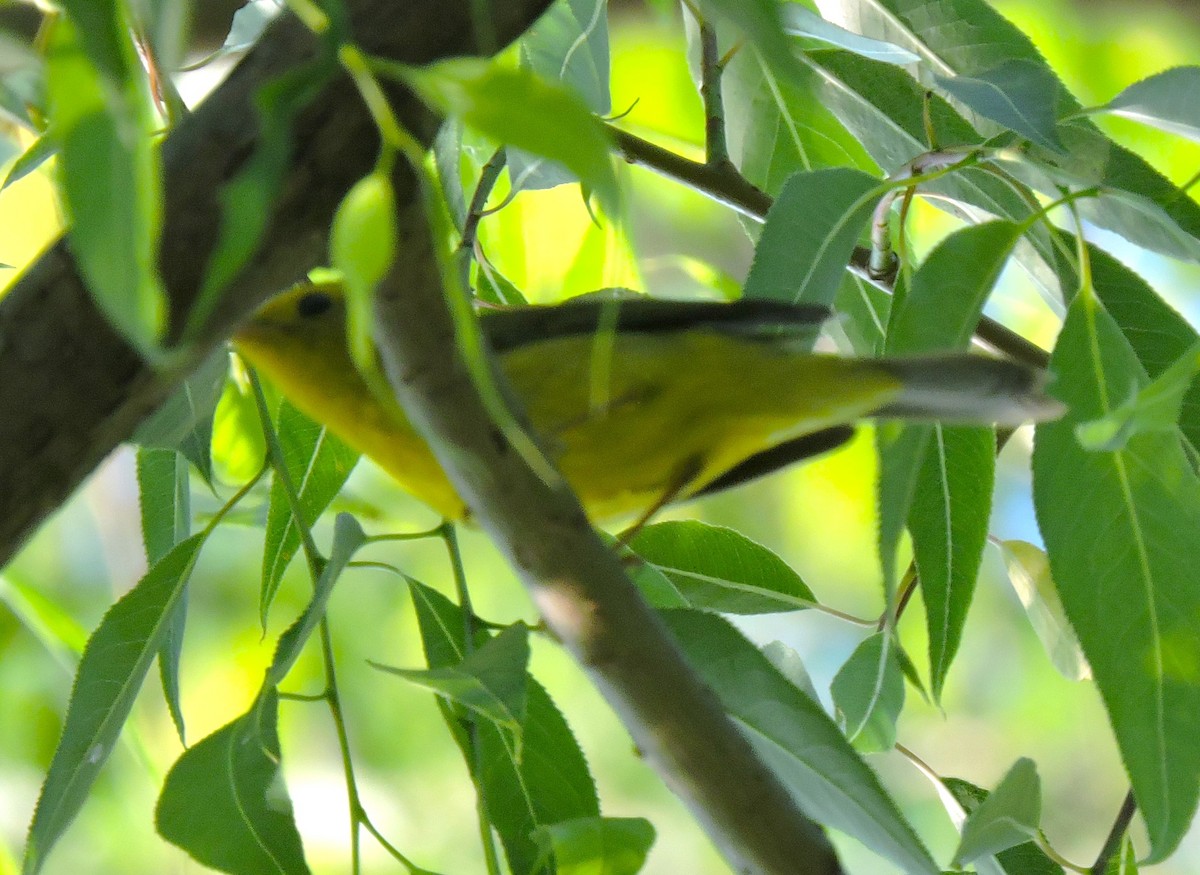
(580,586)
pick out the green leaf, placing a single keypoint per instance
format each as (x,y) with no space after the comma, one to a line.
(568,44)
(1023,859)
(1029,572)
(1124,569)
(164,500)
(941,310)
(948,291)
(491,680)
(948,521)
(902,452)
(1169,100)
(809,234)
(718,569)
(799,21)
(41,149)
(52,625)
(1155,407)
(109,165)
(185,420)
(1157,333)
(1009,816)
(517,108)
(777,125)
(863,310)
(318,464)
(597,845)
(164,496)
(347,538)
(225,803)
(965,37)
(549,784)
(868,692)
(1018,93)
(796,738)
(110,674)
(104,35)
(789,664)
(362,239)
(886,109)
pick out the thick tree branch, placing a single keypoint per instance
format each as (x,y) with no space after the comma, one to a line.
(71,388)
(581,588)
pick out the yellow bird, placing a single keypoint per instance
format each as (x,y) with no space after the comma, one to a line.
(642,401)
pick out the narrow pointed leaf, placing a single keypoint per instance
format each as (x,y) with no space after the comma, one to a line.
(810,232)
(549,784)
(797,739)
(517,108)
(164,497)
(1124,572)
(1169,100)
(1017,93)
(110,675)
(799,21)
(719,569)
(491,680)
(347,538)
(868,692)
(1023,859)
(318,464)
(568,44)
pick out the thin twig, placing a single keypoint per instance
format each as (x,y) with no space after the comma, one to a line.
(716,150)
(1112,845)
(736,192)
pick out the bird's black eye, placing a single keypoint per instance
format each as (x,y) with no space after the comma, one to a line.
(313,304)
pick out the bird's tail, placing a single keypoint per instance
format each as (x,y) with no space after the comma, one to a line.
(965,388)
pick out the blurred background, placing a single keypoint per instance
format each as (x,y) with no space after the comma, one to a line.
(1004,698)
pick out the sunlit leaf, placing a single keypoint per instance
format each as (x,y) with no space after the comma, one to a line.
(517,108)
(799,21)
(225,803)
(598,845)
(1029,572)
(109,165)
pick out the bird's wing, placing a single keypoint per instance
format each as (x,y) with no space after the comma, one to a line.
(507,329)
